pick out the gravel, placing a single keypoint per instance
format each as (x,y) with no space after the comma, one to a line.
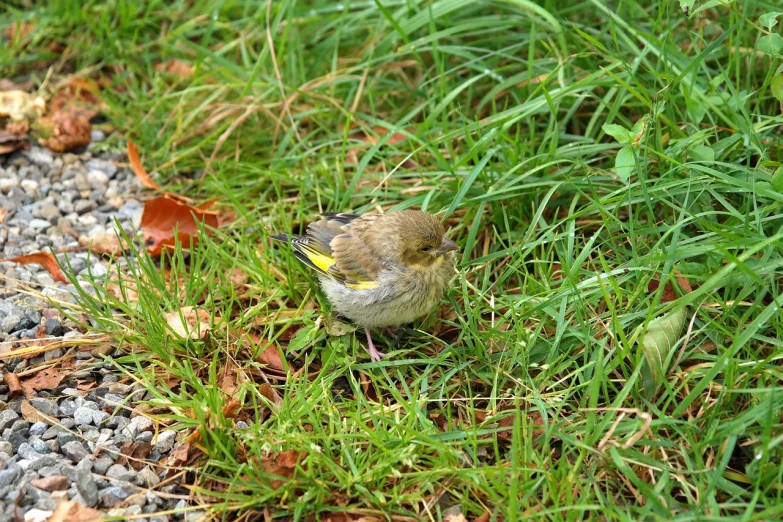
(50,200)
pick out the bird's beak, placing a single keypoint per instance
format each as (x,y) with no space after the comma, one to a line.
(447,246)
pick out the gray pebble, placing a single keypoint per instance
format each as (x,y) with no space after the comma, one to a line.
(85,483)
(44,461)
(6,447)
(83,416)
(64,437)
(67,407)
(144,437)
(120,472)
(53,326)
(39,224)
(26,451)
(9,476)
(82,206)
(45,406)
(147,478)
(75,451)
(7,417)
(112,496)
(142,423)
(40,446)
(102,464)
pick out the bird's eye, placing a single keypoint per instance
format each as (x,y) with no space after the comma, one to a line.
(426,249)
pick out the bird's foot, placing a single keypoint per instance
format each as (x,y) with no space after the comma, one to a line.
(375,355)
(392,332)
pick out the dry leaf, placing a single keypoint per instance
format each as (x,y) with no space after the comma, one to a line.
(32,415)
(12,381)
(18,30)
(20,105)
(18,127)
(135,454)
(231,409)
(11,141)
(283,464)
(79,96)
(270,393)
(455,518)
(669,294)
(271,357)
(103,244)
(162,216)
(71,511)
(67,129)
(189,323)
(228,381)
(176,67)
(138,169)
(51,483)
(179,455)
(46,379)
(483,518)
(46,260)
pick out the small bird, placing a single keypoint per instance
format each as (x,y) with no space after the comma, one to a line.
(378,270)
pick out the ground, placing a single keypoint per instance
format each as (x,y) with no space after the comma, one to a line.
(611,344)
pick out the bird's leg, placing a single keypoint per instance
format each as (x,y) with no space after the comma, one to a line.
(392,332)
(375,355)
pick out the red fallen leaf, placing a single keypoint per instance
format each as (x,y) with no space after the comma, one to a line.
(46,260)
(68,129)
(162,215)
(231,409)
(283,465)
(483,518)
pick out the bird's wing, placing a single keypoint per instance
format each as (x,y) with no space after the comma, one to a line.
(331,250)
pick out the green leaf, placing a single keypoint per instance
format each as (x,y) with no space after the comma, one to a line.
(777,179)
(769,20)
(303,338)
(618,132)
(624,163)
(687,5)
(776,86)
(770,44)
(701,153)
(661,336)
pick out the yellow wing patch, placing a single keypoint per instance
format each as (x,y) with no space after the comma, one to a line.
(321,261)
(362,285)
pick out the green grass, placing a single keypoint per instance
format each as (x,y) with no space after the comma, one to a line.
(527,395)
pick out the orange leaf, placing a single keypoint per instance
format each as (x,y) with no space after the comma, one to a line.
(12,381)
(188,323)
(71,511)
(669,294)
(139,170)
(162,215)
(79,96)
(231,409)
(46,260)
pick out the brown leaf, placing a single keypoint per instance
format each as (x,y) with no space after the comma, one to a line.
(228,381)
(269,355)
(79,96)
(459,517)
(18,31)
(179,455)
(483,518)
(32,415)
(71,511)
(103,244)
(12,381)
(20,105)
(138,169)
(162,215)
(135,454)
(669,294)
(188,323)
(175,67)
(18,127)
(46,379)
(282,464)
(68,129)
(9,141)
(46,260)
(231,409)
(51,483)
(270,393)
